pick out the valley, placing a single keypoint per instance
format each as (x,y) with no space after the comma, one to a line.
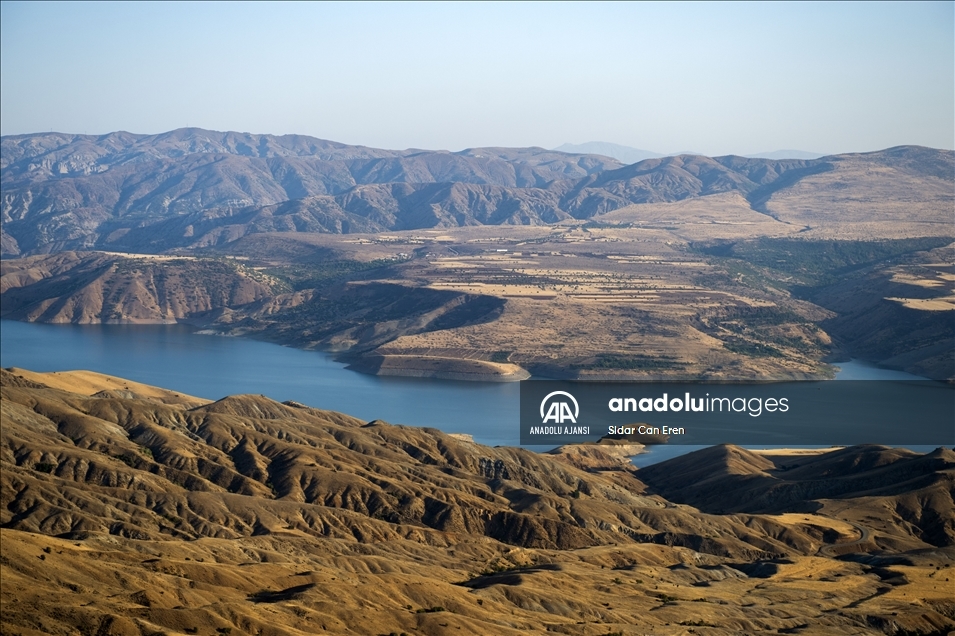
(491,319)
(491,264)
(566,302)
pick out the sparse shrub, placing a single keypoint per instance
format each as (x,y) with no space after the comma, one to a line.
(609,361)
(44,467)
(126,459)
(751,349)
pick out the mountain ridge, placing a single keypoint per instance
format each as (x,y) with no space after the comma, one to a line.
(629,154)
(127,511)
(65,192)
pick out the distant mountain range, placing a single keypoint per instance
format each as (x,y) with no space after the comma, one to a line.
(628,154)
(786,154)
(194,188)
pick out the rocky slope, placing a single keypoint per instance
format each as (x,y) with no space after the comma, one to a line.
(193,188)
(899,316)
(93,288)
(900,488)
(246,464)
(128,509)
(67,191)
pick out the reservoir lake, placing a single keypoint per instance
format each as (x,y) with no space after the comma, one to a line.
(212,367)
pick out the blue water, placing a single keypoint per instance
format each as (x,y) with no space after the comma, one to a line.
(662,452)
(173,357)
(858,370)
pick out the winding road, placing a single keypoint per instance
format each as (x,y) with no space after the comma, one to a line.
(835,549)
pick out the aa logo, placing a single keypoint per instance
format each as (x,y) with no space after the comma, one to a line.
(556,408)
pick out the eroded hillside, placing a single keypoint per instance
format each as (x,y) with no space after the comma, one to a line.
(134,510)
(582,301)
(194,188)
(92,288)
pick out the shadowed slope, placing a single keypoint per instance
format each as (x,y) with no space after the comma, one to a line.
(197,188)
(246,465)
(901,490)
(84,288)
(131,516)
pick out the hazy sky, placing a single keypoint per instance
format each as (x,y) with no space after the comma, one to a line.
(716,79)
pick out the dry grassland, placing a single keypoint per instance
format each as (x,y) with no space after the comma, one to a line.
(578,293)
(290,586)
(630,294)
(866,202)
(935,276)
(125,515)
(93,383)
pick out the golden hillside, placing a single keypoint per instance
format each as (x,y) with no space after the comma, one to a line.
(125,514)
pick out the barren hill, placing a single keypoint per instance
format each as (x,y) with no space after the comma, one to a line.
(445,304)
(905,488)
(193,187)
(85,288)
(123,513)
(97,185)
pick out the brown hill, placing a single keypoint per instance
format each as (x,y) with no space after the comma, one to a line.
(127,515)
(63,192)
(898,316)
(85,287)
(910,494)
(892,187)
(246,463)
(99,385)
(102,183)
(224,294)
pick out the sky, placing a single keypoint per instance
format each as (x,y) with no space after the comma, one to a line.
(710,78)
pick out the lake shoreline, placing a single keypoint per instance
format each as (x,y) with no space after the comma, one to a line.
(423,366)
(211,368)
(480,371)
